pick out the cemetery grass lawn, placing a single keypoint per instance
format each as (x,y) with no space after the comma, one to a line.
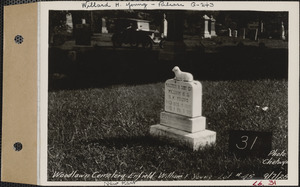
(106,130)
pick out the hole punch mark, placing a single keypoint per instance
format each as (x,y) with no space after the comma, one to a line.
(19,39)
(18,146)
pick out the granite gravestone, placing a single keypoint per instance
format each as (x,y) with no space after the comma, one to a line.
(182,121)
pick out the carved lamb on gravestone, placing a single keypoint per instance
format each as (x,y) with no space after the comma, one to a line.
(182,76)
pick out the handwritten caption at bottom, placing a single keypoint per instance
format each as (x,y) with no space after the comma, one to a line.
(140,176)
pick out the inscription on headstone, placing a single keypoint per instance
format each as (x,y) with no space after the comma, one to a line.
(184,98)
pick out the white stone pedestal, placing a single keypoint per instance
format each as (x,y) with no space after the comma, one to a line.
(182,121)
(194,141)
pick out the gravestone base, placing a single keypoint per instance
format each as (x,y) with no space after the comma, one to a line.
(104,30)
(206,35)
(184,123)
(213,34)
(195,141)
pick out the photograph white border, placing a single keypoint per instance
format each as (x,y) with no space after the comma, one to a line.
(293,83)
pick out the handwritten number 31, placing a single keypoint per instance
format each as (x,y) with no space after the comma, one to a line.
(245,142)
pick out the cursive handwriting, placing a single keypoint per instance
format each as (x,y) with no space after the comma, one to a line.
(197,4)
(275,176)
(117,183)
(276,153)
(92,4)
(131,5)
(280,158)
(273,161)
(144,5)
(169,4)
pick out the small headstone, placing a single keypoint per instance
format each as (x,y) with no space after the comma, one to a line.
(261,27)
(182,121)
(235,33)
(229,32)
(256,34)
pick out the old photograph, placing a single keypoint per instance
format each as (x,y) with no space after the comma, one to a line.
(168,95)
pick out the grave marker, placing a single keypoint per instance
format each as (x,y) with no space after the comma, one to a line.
(282,31)
(69,22)
(213,27)
(165,27)
(235,33)
(206,33)
(182,121)
(229,32)
(103,27)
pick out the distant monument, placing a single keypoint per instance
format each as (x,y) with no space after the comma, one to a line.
(69,22)
(174,46)
(261,27)
(182,121)
(235,33)
(103,27)
(213,27)
(206,33)
(282,31)
(164,27)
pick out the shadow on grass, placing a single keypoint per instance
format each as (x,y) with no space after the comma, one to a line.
(102,67)
(119,142)
(143,141)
